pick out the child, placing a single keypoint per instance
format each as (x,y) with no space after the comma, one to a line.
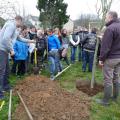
(21,54)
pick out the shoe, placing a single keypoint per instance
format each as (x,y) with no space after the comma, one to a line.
(116,91)
(107,96)
(102,102)
(52,77)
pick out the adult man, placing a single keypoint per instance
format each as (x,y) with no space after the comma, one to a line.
(89,44)
(7,35)
(110,58)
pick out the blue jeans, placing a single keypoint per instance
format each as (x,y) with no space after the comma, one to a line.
(88,58)
(54,62)
(4,71)
(73,53)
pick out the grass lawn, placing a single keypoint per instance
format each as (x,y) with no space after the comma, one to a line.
(67,81)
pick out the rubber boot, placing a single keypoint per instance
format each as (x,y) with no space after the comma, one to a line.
(116,90)
(107,96)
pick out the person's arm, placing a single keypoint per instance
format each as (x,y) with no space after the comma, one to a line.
(57,42)
(78,40)
(26,40)
(71,40)
(106,44)
(7,37)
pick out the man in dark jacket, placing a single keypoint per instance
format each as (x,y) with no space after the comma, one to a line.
(89,44)
(110,58)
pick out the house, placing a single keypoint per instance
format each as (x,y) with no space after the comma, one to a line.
(32,20)
(69,26)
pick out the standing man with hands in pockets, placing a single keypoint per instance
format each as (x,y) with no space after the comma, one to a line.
(7,35)
(110,58)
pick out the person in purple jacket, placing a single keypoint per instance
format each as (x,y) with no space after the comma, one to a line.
(110,58)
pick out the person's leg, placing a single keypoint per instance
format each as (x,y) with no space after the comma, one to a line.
(116,81)
(108,70)
(66,60)
(6,86)
(58,64)
(13,70)
(3,63)
(91,58)
(73,49)
(84,60)
(51,67)
(79,53)
(22,67)
(19,67)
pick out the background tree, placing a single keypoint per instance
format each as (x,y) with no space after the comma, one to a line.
(102,7)
(52,13)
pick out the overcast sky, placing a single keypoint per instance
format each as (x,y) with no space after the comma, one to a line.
(75,7)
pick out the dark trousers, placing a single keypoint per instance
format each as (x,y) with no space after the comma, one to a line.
(88,57)
(21,67)
(4,71)
(40,57)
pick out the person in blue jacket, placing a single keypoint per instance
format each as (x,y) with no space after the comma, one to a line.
(21,54)
(53,54)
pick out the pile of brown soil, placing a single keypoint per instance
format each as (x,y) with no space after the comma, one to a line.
(84,86)
(47,101)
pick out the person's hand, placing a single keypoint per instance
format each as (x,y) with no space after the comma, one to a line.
(12,53)
(101,63)
(36,49)
(32,41)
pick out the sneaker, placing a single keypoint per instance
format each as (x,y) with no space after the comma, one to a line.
(52,77)
(102,102)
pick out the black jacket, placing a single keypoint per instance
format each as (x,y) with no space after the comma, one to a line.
(89,42)
(41,44)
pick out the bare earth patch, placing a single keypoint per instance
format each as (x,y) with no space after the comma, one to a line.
(46,100)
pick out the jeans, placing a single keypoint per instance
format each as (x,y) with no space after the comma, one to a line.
(88,58)
(54,62)
(4,71)
(73,53)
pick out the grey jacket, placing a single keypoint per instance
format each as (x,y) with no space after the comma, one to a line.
(7,35)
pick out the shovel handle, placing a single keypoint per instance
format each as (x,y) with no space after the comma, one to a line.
(35,56)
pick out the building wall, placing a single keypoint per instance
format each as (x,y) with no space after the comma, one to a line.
(69,26)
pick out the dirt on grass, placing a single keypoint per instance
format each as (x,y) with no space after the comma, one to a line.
(46,100)
(84,86)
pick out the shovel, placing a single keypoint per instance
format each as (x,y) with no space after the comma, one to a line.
(35,68)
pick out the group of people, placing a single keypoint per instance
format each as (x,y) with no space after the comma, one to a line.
(21,42)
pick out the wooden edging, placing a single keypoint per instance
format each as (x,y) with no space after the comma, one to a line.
(26,108)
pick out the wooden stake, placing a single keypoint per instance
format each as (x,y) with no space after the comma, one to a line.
(94,65)
(26,108)
(10,106)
